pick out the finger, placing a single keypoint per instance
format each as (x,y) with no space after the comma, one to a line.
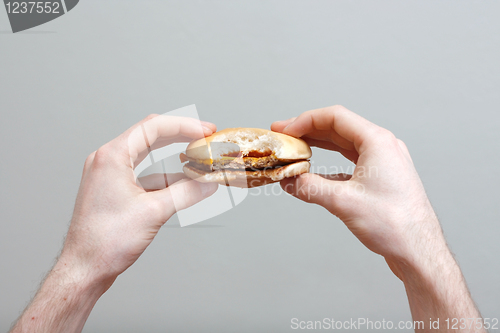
(322,139)
(325,135)
(158,181)
(347,128)
(159,144)
(319,134)
(279,125)
(351,155)
(313,188)
(209,125)
(337,176)
(181,195)
(159,131)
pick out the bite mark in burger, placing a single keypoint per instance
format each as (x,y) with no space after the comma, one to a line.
(246,157)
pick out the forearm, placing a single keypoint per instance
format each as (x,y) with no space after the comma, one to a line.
(64,301)
(436,289)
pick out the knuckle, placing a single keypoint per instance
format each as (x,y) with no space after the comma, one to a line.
(402,144)
(331,109)
(403,148)
(103,151)
(90,158)
(334,110)
(384,136)
(151,116)
(102,156)
(338,108)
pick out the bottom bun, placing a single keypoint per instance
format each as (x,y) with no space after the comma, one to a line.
(245,178)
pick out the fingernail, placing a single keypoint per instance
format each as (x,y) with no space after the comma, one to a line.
(207,129)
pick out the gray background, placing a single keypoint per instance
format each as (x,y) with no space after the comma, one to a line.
(429,71)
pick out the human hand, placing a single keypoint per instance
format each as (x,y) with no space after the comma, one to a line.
(384,202)
(115,219)
(385,206)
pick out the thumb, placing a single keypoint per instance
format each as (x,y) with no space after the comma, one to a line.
(329,191)
(183,194)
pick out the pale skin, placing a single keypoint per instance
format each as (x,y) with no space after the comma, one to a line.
(387,210)
(113,222)
(385,206)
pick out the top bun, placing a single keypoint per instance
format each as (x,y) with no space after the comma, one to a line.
(245,140)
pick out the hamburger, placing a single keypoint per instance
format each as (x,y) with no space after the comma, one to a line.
(246,157)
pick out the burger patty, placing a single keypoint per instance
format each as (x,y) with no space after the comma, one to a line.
(238,163)
(245,178)
(247,163)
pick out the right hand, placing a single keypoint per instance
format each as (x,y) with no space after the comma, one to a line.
(115,219)
(384,202)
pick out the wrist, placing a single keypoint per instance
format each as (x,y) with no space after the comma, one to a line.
(87,279)
(64,301)
(421,250)
(427,266)
(434,284)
